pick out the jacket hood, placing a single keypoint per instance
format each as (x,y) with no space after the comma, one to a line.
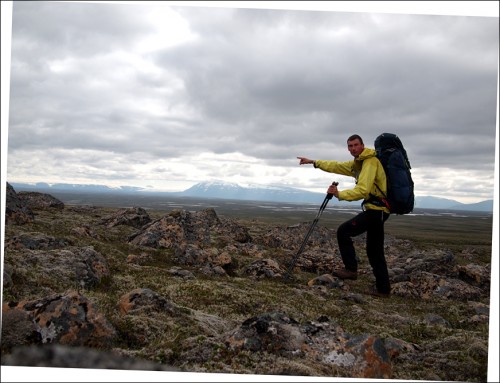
(367,153)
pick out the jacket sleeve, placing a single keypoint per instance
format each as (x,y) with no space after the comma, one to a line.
(365,183)
(343,168)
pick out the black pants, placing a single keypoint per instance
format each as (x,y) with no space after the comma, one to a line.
(371,222)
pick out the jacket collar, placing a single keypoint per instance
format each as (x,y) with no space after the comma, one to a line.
(366,153)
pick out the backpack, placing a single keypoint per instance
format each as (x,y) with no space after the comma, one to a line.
(400,198)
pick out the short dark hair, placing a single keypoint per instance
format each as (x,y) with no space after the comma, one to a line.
(355,137)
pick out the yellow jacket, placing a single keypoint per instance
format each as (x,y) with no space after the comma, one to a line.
(368,172)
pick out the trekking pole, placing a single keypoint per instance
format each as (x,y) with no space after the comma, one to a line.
(313,225)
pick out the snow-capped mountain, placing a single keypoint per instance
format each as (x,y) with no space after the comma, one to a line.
(225,190)
(234,191)
(229,190)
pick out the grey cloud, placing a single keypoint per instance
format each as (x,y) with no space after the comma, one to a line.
(265,83)
(402,89)
(76,29)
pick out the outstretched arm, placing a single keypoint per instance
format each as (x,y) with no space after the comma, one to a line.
(304,160)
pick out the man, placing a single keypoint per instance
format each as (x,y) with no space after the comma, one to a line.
(370,187)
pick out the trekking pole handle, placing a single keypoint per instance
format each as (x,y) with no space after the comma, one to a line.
(330,195)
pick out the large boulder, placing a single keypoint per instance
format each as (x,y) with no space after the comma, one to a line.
(16,209)
(65,268)
(35,241)
(363,356)
(424,285)
(180,227)
(136,217)
(36,200)
(69,319)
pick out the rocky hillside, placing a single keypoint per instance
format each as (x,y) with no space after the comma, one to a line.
(94,287)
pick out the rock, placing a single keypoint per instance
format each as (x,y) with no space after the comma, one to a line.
(371,359)
(436,320)
(396,347)
(69,267)
(208,217)
(481,313)
(36,200)
(84,231)
(480,308)
(363,356)
(136,217)
(326,280)
(360,356)
(195,226)
(143,300)
(139,259)
(35,241)
(475,275)
(60,356)
(234,231)
(291,237)
(271,332)
(16,209)
(165,233)
(178,272)
(424,285)
(264,268)
(69,319)
(434,261)
(17,328)
(213,270)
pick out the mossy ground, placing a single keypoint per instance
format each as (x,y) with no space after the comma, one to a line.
(451,353)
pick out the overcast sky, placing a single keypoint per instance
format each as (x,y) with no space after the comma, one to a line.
(164,96)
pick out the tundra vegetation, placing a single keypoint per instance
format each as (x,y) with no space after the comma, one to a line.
(201,289)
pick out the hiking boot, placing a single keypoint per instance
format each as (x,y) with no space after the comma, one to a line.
(375,293)
(345,274)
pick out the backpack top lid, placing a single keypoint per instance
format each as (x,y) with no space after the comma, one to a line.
(387,141)
(390,142)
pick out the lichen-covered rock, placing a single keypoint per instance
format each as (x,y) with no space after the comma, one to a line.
(16,209)
(264,268)
(36,200)
(144,300)
(425,285)
(69,319)
(136,217)
(271,332)
(36,241)
(232,230)
(165,233)
(84,231)
(194,256)
(67,267)
(371,359)
(17,327)
(475,275)
(363,356)
(327,280)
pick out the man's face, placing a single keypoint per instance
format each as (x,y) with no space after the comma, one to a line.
(355,147)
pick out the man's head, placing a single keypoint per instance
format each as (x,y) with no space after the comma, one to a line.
(355,145)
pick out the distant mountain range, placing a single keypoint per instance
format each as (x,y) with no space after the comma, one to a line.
(233,191)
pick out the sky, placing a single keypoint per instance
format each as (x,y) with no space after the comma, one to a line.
(163,95)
